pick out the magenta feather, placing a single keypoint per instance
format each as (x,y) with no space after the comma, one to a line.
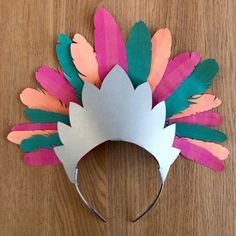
(208,118)
(41,157)
(177,70)
(109,44)
(198,154)
(34,126)
(56,84)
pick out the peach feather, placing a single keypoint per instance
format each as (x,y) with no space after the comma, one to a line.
(18,136)
(201,103)
(84,59)
(216,149)
(161,50)
(41,99)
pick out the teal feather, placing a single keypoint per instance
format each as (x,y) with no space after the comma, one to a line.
(199,132)
(197,83)
(40,141)
(139,53)
(66,63)
(39,116)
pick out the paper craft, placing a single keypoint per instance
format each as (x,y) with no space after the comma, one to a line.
(108,116)
(109,43)
(161,46)
(131,92)
(139,53)
(85,60)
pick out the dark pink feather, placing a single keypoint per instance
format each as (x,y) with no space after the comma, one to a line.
(41,157)
(109,43)
(177,70)
(198,154)
(208,118)
(56,84)
(34,126)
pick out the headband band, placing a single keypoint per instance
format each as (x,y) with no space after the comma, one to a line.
(100,216)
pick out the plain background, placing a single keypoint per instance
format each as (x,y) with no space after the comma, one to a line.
(119,179)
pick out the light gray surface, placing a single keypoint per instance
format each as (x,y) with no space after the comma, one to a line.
(116,112)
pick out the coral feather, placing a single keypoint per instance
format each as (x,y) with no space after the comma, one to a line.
(200,103)
(216,149)
(84,59)
(18,136)
(161,49)
(40,99)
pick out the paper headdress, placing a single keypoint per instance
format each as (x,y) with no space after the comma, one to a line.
(131,92)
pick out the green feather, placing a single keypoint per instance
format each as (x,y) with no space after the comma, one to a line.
(40,141)
(39,116)
(199,132)
(139,53)
(197,83)
(66,63)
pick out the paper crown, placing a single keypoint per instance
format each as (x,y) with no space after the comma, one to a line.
(131,92)
(106,115)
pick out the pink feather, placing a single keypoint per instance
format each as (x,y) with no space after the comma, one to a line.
(41,157)
(216,149)
(56,84)
(109,44)
(208,118)
(178,69)
(198,154)
(34,126)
